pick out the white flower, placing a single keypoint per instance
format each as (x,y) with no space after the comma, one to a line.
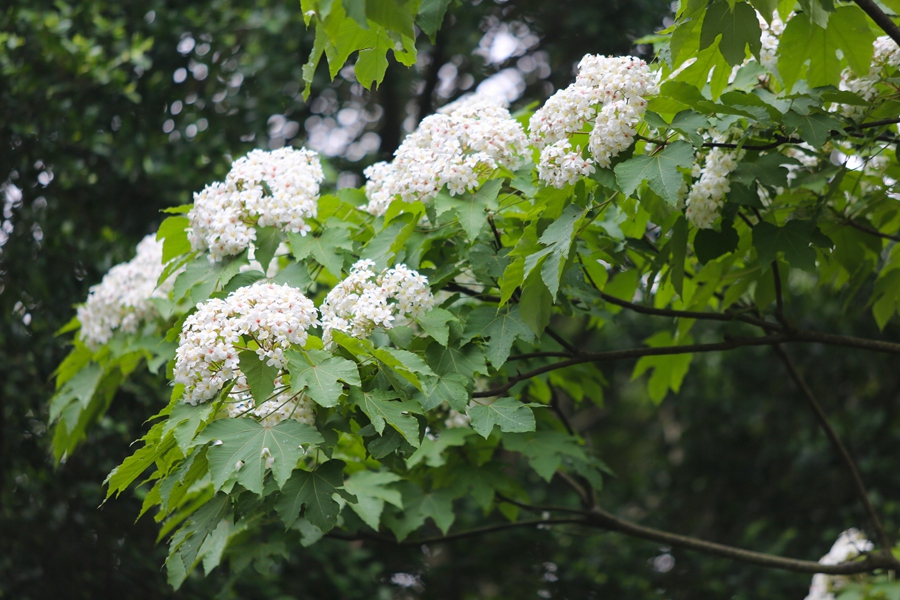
(561,166)
(271,189)
(849,545)
(707,195)
(364,301)
(455,148)
(886,57)
(275,317)
(120,302)
(608,91)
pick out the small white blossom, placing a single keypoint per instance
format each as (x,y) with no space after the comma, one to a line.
(364,300)
(454,148)
(707,195)
(121,301)
(608,93)
(849,545)
(560,165)
(271,189)
(276,317)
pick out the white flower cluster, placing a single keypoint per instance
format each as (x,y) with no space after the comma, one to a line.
(849,545)
(121,300)
(707,194)
(285,405)
(561,166)
(886,56)
(275,317)
(466,140)
(610,92)
(771,35)
(364,300)
(270,189)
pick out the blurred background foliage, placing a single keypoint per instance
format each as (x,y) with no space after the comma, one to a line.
(110,112)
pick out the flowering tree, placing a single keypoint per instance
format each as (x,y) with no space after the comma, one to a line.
(372,363)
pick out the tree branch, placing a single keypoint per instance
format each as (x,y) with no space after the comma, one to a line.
(793,336)
(601,519)
(455,287)
(457,536)
(688,314)
(605,520)
(881,534)
(881,19)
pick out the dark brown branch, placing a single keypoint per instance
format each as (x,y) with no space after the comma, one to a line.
(633,353)
(540,355)
(601,519)
(562,342)
(779,141)
(457,536)
(881,534)
(688,314)
(793,336)
(605,520)
(881,19)
(455,287)
(871,124)
(872,230)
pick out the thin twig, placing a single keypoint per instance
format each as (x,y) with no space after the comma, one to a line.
(779,297)
(881,534)
(455,287)
(562,342)
(871,230)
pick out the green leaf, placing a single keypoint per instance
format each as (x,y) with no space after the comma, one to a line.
(173,232)
(511,415)
(668,370)
(432,450)
(738,26)
(406,364)
(436,324)
(315,491)
(793,240)
(319,374)
(79,387)
(185,544)
(558,241)
(295,275)
(431,15)
(710,244)
(472,208)
(267,242)
(383,406)
(438,506)
(544,450)
(384,246)
(802,41)
(499,325)
(201,278)
(248,449)
(371,491)
(660,171)
(260,376)
(325,249)
(467,360)
(132,467)
(815,128)
(536,304)
(450,388)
